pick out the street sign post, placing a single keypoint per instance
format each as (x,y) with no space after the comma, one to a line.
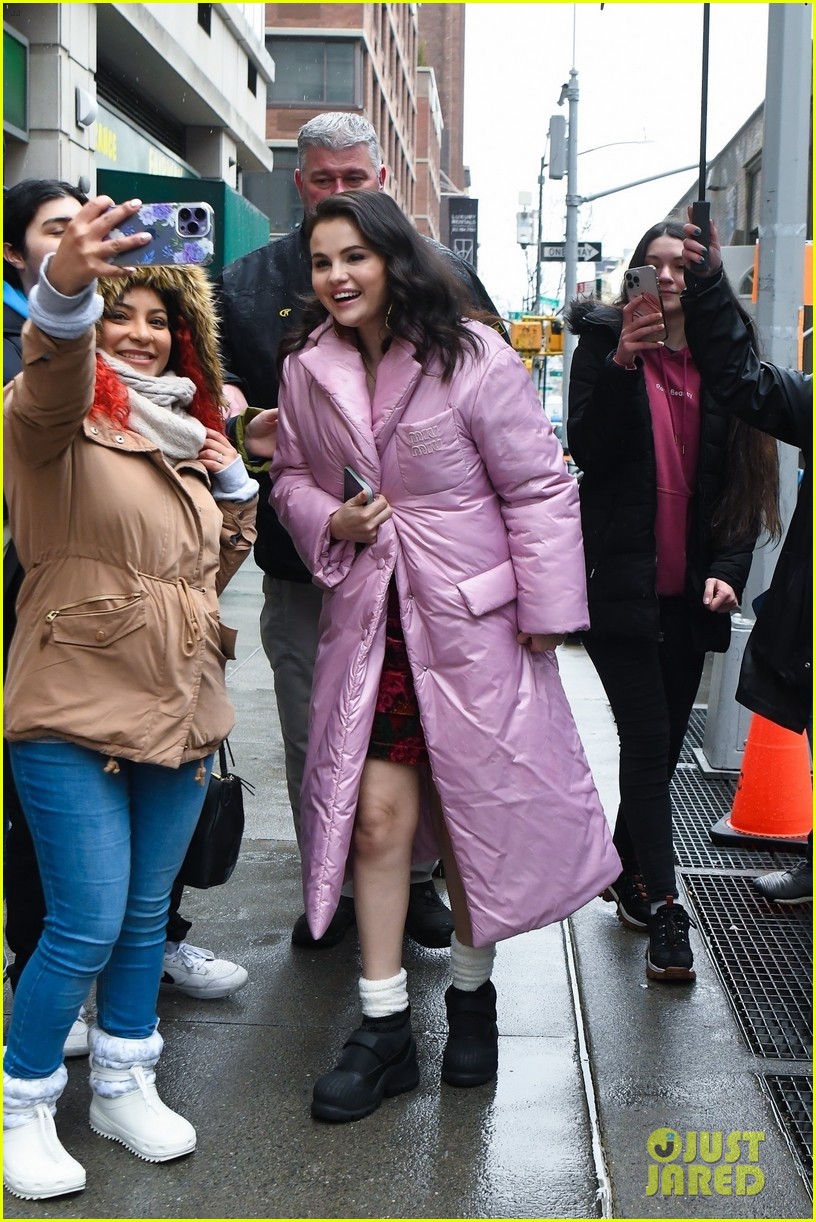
(554,252)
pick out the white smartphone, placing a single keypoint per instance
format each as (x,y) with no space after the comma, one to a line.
(180,233)
(639,281)
(353,484)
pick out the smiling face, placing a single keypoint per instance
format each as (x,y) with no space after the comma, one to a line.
(136,330)
(665,254)
(349,278)
(327,171)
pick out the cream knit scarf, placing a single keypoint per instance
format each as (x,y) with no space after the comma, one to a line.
(159,410)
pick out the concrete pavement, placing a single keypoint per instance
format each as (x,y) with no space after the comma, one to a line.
(593,1057)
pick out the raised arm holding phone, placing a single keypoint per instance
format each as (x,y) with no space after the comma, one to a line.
(671,504)
(776,676)
(130,510)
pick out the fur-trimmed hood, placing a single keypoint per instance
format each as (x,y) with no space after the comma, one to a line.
(186,291)
(585,313)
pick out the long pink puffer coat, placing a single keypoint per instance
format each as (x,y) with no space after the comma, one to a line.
(484,542)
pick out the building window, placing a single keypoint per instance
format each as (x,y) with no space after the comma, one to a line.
(205,17)
(15,84)
(314,70)
(252,78)
(275,193)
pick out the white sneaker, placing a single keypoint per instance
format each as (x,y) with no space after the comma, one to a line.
(35,1163)
(76,1043)
(139,1120)
(196,972)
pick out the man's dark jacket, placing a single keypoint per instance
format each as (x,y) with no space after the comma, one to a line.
(611,440)
(260,297)
(12,569)
(776,679)
(12,343)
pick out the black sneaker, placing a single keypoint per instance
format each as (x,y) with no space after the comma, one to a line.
(429,922)
(343,920)
(793,886)
(668,955)
(628,891)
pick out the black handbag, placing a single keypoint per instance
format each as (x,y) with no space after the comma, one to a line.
(216,841)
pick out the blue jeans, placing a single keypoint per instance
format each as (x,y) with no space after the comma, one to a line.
(109,845)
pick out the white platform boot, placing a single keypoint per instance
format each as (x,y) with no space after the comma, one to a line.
(35,1164)
(126,1106)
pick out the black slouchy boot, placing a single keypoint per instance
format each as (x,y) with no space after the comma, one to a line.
(471,1055)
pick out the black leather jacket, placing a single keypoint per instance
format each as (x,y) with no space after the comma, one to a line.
(776,679)
(259,298)
(611,440)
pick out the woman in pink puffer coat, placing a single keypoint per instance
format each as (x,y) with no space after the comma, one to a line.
(436,688)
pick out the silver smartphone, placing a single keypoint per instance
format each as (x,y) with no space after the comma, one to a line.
(180,233)
(639,281)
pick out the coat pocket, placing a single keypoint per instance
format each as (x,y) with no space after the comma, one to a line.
(228,638)
(491,590)
(97,622)
(430,455)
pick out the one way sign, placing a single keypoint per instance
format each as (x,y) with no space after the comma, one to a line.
(554,252)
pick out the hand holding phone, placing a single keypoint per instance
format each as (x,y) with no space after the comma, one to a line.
(354,484)
(180,233)
(642,281)
(82,256)
(355,522)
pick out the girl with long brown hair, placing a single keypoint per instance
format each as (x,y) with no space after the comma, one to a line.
(674,494)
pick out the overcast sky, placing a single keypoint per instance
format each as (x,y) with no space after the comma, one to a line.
(639,77)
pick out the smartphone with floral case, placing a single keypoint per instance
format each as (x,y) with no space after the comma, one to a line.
(180,234)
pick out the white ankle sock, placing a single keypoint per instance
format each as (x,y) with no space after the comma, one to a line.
(379,998)
(471,966)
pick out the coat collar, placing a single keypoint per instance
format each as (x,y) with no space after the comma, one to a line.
(103,432)
(337,367)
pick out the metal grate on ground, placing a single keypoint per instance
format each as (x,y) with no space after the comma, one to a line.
(695,732)
(792,1098)
(698,802)
(763,955)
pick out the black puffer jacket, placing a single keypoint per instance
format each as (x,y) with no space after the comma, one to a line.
(611,440)
(259,298)
(776,679)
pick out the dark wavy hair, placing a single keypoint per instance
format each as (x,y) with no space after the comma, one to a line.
(427,304)
(749,501)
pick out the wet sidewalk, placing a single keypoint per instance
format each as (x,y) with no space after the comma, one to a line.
(597,1066)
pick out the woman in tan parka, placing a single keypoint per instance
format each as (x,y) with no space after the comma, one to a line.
(130,511)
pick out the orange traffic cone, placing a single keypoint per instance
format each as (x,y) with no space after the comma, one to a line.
(773,804)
